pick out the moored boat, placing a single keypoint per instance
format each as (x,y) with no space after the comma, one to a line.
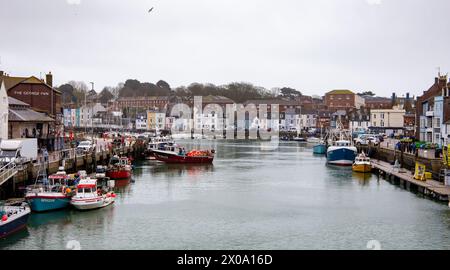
(119,168)
(320,149)
(157,143)
(362,164)
(13,218)
(50,193)
(194,156)
(342,153)
(89,195)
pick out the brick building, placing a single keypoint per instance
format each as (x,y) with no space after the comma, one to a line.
(38,94)
(431,112)
(148,103)
(343,100)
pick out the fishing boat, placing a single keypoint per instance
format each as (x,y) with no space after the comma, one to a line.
(362,164)
(320,148)
(157,143)
(181,157)
(14,217)
(119,168)
(341,152)
(50,193)
(90,195)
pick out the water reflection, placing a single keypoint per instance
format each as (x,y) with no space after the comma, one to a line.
(40,219)
(182,169)
(14,238)
(362,178)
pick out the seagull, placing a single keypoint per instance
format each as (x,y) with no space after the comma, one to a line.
(150,10)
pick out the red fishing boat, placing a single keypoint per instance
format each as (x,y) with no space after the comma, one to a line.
(119,168)
(181,157)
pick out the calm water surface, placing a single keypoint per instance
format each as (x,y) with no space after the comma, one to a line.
(250,198)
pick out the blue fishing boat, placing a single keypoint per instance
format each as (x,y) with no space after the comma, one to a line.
(51,193)
(342,153)
(320,149)
(13,218)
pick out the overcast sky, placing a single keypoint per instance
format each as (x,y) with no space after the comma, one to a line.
(311,45)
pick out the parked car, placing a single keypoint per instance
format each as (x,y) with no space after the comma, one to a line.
(366,139)
(85,146)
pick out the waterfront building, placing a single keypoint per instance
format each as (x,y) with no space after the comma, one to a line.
(339,116)
(156,120)
(67,116)
(387,121)
(409,122)
(141,123)
(359,120)
(430,112)
(26,123)
(343,100)
(170,120)
(291,120)
(39,94)
(323,119)
(147,103)
(4,111)
(307,119)
(377,102)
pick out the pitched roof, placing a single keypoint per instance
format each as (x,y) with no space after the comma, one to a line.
(10,82)
(27,115)
(16,102)
(273,101)
(340,92)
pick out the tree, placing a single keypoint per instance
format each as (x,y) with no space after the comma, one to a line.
(67,93)
(367,93)
(105,95)
(290,93)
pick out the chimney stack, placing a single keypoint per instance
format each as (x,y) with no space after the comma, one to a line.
(49,79)
(1,73)
(407,96)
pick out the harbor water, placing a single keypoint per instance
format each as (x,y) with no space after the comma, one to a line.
(254,196)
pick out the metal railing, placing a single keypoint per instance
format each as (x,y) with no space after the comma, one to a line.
(7,171)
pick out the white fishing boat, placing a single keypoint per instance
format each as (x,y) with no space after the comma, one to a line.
(90,195)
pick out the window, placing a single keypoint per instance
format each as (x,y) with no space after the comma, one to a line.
(374,116)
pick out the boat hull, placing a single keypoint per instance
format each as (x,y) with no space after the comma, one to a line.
(362,168)
(124,174)
(14,225)
(91,204)
(320,149)
(341,156)
(44,203)
(177,159)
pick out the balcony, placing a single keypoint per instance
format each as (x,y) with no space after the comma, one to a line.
(429,114)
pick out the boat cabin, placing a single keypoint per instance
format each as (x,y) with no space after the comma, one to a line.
(87,188)
(342,143)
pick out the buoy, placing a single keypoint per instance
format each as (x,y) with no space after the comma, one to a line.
(113,195)
(108,195)
(68,190)
(4,218)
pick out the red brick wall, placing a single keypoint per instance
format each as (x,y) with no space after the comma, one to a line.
(39,96)
(340,101)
